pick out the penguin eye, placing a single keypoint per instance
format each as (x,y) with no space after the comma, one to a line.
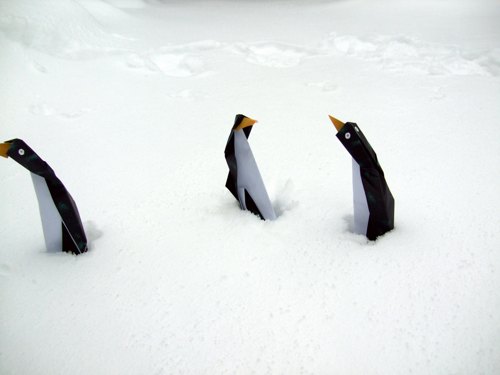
(347,135)
(21,152)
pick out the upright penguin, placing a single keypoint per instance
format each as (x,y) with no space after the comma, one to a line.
(62,226)
(373,201)
(244,180)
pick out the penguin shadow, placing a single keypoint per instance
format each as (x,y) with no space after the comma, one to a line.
(283,198)
(4,269)
(93,233)
(351,234)
(349,222)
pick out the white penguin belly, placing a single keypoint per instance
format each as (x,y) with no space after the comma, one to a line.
(361,211)
(249,178)
(51,219)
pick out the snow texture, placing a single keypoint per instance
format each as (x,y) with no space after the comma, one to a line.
(131,102)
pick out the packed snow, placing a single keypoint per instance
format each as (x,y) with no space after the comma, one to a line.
(131,102)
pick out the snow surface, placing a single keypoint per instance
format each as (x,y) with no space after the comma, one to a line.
(131,102)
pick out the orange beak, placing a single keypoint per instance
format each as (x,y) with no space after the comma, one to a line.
(4,147)
(246,122)
(338,124)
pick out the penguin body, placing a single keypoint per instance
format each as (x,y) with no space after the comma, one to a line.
(62,226)
(244,180)
(373,201)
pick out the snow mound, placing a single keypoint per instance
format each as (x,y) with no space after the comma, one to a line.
(63,29)
(410,55)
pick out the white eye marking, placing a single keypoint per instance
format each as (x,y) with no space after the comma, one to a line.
(347,135)
(21,152)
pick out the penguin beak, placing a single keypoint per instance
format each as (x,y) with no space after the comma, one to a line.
(338,124)
(4,147)
(246,122)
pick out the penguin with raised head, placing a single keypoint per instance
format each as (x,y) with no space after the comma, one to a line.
(244,180)
(62,226)
(373,201)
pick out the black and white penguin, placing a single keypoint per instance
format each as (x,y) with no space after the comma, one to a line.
(62,226)
(244,180)
(373,201)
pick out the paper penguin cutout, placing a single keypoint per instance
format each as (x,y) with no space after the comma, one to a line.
(373,201)
(244,180)
(62,226)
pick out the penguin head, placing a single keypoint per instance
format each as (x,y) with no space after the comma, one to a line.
(18,150)
(13,148)
(244,123)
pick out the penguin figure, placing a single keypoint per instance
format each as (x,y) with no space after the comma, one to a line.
(62,226)
(244,180)
(373,201)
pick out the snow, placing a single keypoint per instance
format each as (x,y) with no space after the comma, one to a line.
(131,102)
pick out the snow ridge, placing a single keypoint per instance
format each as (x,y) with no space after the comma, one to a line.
(73,31)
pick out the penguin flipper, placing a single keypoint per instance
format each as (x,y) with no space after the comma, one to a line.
(380,202)
(231,185)
(70,216)
(69,244)
(251,206)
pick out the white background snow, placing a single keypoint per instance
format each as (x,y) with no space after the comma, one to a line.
(131,102)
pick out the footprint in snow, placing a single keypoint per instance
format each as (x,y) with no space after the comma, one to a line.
(181,60)
(187,94)
(4,269)
(40,108)
(404,54)
(325,86)
(178,65)
(276,55)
